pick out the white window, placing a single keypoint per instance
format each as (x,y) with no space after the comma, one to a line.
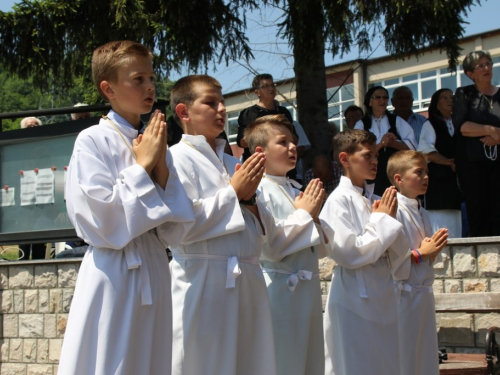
(339,98)
(232,126)
(424,84)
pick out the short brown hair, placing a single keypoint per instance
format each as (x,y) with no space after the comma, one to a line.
(349,140)
(258,78)
(401,161)
(257,133)
(108,58)
(183,90)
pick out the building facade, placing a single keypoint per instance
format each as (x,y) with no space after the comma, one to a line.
(348,82)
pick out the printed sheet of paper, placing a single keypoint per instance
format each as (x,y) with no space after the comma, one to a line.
(44,188)
(8,197)
(28,182)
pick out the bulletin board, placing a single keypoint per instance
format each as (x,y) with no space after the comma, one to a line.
(36,158)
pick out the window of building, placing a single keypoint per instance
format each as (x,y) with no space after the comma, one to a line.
(424,84)
(232,126)
(339,98)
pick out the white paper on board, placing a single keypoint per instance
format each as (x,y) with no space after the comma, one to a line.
(8,197)
(44,188)
(28,182)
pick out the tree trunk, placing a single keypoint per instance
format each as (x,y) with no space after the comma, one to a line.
(306,22)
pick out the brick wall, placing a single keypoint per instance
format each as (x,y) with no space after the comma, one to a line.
(35,297)
(469,265)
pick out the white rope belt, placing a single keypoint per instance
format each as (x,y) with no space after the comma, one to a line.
(233,267)
(401,285)
(294,277)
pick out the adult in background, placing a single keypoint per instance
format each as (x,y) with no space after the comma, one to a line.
(30,122)
(352,115)
(392,132)
(402,101)
(80,115)
(327,171)
(303,145)
(476,117)
(265,89)
(443,198)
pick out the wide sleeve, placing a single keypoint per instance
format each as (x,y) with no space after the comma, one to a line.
(110,212)
(427,142)
(460,111)
(399,253)
(325,249)
(295,233)
(350,249)
(406,133)
(214,216)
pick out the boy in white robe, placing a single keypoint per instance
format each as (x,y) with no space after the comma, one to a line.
(222,319)
(291,271)
(360,323)
(117,192)
(407,171)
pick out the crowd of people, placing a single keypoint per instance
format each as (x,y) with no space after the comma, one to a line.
(242,294)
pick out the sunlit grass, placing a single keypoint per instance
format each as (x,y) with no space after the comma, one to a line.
(10,252)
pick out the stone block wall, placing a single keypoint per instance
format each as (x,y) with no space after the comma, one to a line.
(35,297)
(468,265)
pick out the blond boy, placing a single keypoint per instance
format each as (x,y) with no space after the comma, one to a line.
(291,266)
(407,171)
(222,319)
(361,330)
(118,190)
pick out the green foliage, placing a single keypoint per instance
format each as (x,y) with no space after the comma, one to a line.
(53,40)
(18,95)
(406,26)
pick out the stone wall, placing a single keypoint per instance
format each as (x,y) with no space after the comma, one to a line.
(469,265)
(35,297)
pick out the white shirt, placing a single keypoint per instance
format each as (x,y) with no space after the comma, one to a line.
(427,143)
(381,126)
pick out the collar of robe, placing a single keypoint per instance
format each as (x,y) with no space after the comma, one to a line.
(368,188)
(123,125)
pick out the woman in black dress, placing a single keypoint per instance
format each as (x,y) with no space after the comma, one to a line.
(476,117)
(443,198)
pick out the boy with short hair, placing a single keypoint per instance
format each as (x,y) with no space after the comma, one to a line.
(118,190)
(222,319)
(361,328)
(407,171)
(291,266)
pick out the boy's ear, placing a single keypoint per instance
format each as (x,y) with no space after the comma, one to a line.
(259,149)
(343,159)
(398,179)
(107,89)
(182,111)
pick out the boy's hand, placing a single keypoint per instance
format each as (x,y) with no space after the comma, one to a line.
(149,146)
(388,204)
(246,177)
(312,199)
(430,247)
(160,170)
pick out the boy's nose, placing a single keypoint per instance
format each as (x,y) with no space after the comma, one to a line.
(222,108)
